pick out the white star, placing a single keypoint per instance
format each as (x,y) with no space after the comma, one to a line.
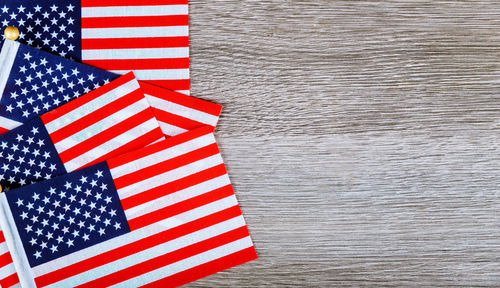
(53,8)
(15,147)
(52,167)
(34,219)
(60,216)
(43,245)
(13,15)
(41,164)
(92,205)
(37,174)
(24,215)
(4,145)
(25,150)
(55,226)
(59,239)
(30,206)
(45,222)
(70,7)
(75,233)
(93,183)
(56,204)
(50,213)
(29,228)
(91,227)
(69,242)
(71,47)
(112,212)
(62,194)
(53,248)
(75,71)
(107,222)
(59,67)
(71,34)
(33,241)
(72,198)
(9,108)
(53,21)
(91,77)
(34,130)
(37,254)
(19,202)
(37,8)
(5,167)
(52,190)
(5,9)
(27,56)
(10,157)
(98,196)
(29,15)
(65,230)
(86,214)
(102,209)
(81,224)
(107,199)
(85,237)
(49,235)
(46,200)
(16,170)
(97,218)
(45,15)
(101,231)
(76,211)
(67,185)
(21,22)
(99,174)
(5,23)
(46,155)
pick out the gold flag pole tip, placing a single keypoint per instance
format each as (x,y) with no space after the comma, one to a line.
(11,33)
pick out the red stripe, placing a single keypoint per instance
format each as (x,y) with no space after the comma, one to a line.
(168,258)
(107,3)
(206,269)
(95,116)
(135,21)
(174,186)
(176,120)
(148,138)
(2,237)
(106,135)
(127,43)
(140,64)
(181,99)
(168,165)
(135,247)
(186,205)
(72,105)
(5,259)
(159,146)
(9,281)
(171,84)
(3,130)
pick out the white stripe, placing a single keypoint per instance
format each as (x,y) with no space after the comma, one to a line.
(132,32)
(171,130)
(188,263)
(178,196)
(157,74)
(162,155)
(3,248)
(7,270)
(138,53)
(156,10)
(111,145)
(183,111)
(135,235)
(169,176)
(7,123)
(102,125)
(7,57)
(93,105)
(153,252)
(185,92)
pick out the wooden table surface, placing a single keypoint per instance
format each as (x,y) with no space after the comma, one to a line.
(362,138)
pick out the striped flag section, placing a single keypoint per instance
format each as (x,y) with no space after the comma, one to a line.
(150,37)
(108,121)
(183,220)
(178,113)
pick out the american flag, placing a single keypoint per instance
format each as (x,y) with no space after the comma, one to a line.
(160,216)
(108,121)
(33,82)
(150,37)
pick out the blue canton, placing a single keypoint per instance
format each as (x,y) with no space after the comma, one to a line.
(27,155)
(40,82)
(53,26)
(68,213)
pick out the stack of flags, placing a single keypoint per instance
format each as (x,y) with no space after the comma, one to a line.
(110,171)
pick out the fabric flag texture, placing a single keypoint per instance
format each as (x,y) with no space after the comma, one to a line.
(160,216)
(108,121)
(33,82)
(150,37)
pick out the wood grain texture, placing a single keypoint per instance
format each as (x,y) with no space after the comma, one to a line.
(362,138)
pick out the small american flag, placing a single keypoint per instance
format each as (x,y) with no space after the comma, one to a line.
(160,216)
(150,37)
(108,121)
(33,82)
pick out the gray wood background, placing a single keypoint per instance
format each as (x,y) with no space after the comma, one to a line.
(362,138)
